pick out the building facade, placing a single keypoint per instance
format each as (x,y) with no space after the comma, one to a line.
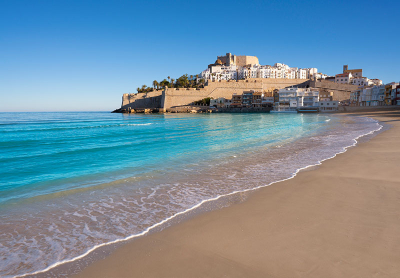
(343,78)
(232,67)
(328,106)
(290,99)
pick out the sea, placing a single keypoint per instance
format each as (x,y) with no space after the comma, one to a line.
(71,182)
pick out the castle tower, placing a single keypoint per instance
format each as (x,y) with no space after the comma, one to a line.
(230,59)
(345,67)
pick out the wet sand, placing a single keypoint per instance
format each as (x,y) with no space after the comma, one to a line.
(340,220)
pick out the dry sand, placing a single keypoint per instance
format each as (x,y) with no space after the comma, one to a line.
(340,220)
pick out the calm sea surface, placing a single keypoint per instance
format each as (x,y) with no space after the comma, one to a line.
(72,181)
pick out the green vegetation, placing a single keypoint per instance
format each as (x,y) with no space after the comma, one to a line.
(184,81)
(204,101)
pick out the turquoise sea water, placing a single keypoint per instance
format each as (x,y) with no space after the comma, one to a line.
(72,181)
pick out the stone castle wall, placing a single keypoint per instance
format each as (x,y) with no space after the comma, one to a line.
(246,60)
(173,97)
(340,91)
(142,100)
(241,61)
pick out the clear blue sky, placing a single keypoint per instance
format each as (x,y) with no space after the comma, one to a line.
(83,55)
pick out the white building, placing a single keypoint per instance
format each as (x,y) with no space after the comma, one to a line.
(312,72)
(320,75)
(369,96)
(218,72)
(220,102)
(361,81)
(290,99)
(267,101)
(378,95)
(343,78)
(376,82)
(328,105)
(365,97)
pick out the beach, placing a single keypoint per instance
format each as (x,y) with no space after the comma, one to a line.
(338,220)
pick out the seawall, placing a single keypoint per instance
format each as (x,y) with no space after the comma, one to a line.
(142,100)
(175,97)
(340,91)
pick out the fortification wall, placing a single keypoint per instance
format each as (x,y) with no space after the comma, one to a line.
(173,97)
(177,97)
(142,100)
(340,91)
(246,60)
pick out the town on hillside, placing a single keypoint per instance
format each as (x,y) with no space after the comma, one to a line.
(240,84)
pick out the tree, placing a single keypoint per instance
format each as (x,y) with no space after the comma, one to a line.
(205,101)
(191,81)
(172,81)
(182,81)
(138,89)
(164,83)
(155,84)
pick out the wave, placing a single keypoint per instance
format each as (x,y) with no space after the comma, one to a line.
(72,127)
(199,204)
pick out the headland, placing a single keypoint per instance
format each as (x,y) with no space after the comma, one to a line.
(240,84)
(232,76)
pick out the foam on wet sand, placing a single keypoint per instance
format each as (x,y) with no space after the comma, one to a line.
(340,220)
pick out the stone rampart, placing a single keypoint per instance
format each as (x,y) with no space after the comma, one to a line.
(142,100)
(340,91)
(243,61)
(173,97)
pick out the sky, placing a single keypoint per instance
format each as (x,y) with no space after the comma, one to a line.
(83,55)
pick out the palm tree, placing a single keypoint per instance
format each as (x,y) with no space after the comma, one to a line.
(172,82)
(191,81)
(138,89)
(155,83)
(169,78)
(202,81)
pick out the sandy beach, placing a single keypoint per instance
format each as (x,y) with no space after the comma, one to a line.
(340,220)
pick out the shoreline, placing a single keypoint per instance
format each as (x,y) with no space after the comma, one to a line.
(99,252)
(148,244)
(222,184)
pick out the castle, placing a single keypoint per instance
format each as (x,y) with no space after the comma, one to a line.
(232,67)
(240,61)
(225,84)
